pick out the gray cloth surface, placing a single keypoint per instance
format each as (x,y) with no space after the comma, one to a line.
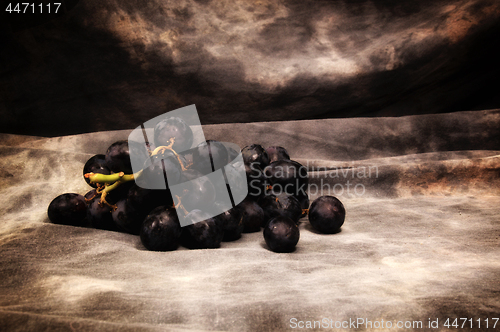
(420,239)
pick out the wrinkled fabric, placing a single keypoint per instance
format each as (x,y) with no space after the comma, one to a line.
(420,239)
(109,65)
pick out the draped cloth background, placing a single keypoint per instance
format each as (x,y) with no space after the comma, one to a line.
(108,65)
(420,238)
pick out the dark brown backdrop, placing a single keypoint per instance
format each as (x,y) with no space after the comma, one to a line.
(106,65)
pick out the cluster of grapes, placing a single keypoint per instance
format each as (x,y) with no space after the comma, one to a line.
(277,194)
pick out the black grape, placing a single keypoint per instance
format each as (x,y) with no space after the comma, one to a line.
(144,200)
(203,234)
(252,216)
(157,167)
(90,195)
(219,154)
(118,156)
(190,174)
(255,154)
(127,218)
(256,181)
(173,127)
(187,157)
(276,153)
(119,192)
(230,221)
(99,215)
(281,234)
(281,204)
(209,156)
(237,180)
(290,206)
(327,214)
(161,230)
(96,164)
(199,194)
(287,176)
(68,209)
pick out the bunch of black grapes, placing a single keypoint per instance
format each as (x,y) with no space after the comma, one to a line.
(277,194)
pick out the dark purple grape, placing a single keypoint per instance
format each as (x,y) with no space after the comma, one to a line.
(90,195)
(96,164)
(187,157)
(161,230)
(230,221)
(252,216)
(190,174)
(118,156)
(202,234)
(127,218)
(327,214)
(209,156)
(287,176)
(159,166)
(145,200)
(276,153)
(99,215)
(281,204)
(237,180)
(256,181)
(270,206)
(255,154)
(218,153)
(68,209)
(199,193)
(281,234)
(176,128)
(119,192)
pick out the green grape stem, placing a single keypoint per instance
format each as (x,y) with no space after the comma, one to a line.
(111,178)
(106,183)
